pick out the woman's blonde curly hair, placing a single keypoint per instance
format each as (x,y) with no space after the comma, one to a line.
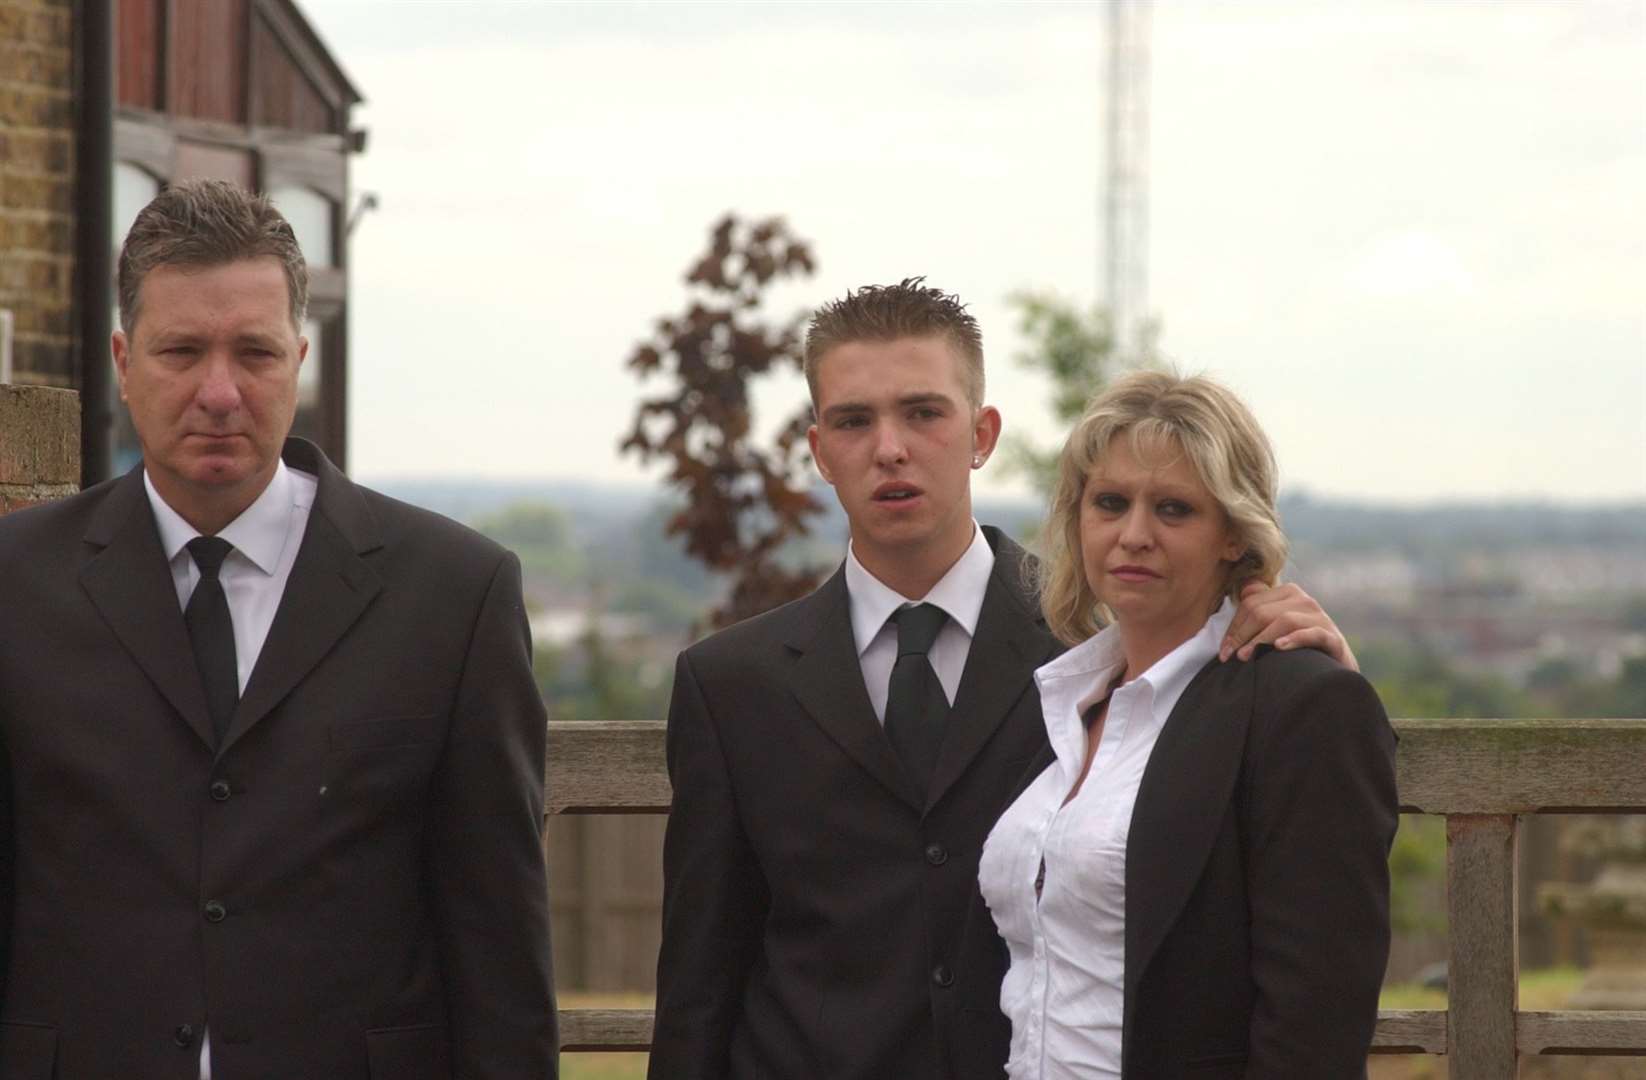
(1222,441)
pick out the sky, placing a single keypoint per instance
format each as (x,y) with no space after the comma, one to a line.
(1411,235)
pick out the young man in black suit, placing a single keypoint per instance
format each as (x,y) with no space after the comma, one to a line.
(838,762)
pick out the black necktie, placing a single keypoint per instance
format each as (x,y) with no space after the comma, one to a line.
(916,708)
(211,632)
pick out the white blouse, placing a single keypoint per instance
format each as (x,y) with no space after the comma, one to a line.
(1063,991)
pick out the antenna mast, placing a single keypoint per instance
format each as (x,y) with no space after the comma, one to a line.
(1126,185)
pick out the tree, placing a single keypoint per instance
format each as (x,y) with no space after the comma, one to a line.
(1077,351)
(741,500)
(541,535)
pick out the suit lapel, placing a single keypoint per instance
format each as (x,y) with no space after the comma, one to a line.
(131,586)
(330,586)
(1180,806)
(1010,643)
(828,682)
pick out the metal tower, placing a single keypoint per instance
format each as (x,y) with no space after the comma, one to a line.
(1125,206)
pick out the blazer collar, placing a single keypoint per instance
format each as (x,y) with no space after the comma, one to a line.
(828,682)
(1181,802)
(128,580)
(1011,641)
(331,585)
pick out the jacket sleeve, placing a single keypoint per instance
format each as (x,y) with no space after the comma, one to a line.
(715,899)
(485,844)
(1319,814)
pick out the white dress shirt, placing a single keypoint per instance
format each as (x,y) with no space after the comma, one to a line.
(266,537)
(1064,989)
(959,593)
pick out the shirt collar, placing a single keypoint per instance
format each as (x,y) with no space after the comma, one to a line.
(259,533)
(1100,657)
(959,592)
(1078,679)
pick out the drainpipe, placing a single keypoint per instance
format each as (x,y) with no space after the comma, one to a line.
(94,228)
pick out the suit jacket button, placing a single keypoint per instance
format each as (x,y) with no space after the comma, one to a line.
(936,854)
(183,1036)
(220,790)
(942,976)
(215,912)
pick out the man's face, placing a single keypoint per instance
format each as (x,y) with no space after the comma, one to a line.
(210,375)
(896,437)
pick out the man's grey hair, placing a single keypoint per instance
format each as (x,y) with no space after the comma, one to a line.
(202,223)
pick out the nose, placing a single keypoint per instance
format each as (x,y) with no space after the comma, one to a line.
(890,448)
(218,392)
(1135,531)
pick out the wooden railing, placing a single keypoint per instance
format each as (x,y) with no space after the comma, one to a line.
(1479,774)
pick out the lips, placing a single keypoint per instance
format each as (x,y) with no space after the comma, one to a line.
(1133,573)
(895,493)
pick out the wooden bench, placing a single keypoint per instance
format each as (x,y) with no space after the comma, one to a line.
(1479,774)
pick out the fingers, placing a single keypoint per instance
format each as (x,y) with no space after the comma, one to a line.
(1246,622)
(1266,615)
(1330,642)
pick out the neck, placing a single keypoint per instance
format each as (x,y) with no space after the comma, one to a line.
(913,571)
(1145,647)
(209,513)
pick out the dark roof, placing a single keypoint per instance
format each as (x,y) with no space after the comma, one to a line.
(301,25)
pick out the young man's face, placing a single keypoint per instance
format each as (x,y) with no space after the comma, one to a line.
(896,436)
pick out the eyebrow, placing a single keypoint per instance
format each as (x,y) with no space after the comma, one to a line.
(853,408)
(1165,491)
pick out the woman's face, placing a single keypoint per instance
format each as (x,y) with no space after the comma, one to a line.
(1155,543)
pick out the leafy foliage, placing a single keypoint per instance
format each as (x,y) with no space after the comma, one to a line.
(1077,351)
(541,535)
(742,500)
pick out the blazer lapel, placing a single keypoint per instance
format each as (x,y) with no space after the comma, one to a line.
(131,586)
(1180,807)
(828,682)
(1010,643)
(330,586)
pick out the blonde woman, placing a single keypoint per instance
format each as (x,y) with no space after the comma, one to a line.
(1193,880)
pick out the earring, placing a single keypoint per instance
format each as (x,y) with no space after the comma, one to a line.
(977,461)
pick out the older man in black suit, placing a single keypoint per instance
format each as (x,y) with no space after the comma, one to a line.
(271,755)
(837,763)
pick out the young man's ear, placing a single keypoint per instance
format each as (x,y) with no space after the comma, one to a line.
(985,434)
(817,459)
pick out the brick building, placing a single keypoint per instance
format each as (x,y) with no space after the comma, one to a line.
(37,190)
(102,103)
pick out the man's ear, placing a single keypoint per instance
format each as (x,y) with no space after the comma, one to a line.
(119,346)
(823,469)
(985,432)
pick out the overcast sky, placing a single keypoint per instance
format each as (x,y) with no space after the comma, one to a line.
(1411,235)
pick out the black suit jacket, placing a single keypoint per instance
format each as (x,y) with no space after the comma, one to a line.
(1257,883)
(813,902)
(351,886)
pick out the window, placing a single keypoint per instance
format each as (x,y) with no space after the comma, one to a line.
(133,190)
(310,214)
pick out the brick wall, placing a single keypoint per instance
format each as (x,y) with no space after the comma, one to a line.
(39,445)
(37,186)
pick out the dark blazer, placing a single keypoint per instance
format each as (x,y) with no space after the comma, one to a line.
(1257,883)
(351,886)
(813,902)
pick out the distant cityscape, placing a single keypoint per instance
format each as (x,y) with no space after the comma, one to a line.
(1513,592)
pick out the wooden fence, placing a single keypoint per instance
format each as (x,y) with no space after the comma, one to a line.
(1479,774)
